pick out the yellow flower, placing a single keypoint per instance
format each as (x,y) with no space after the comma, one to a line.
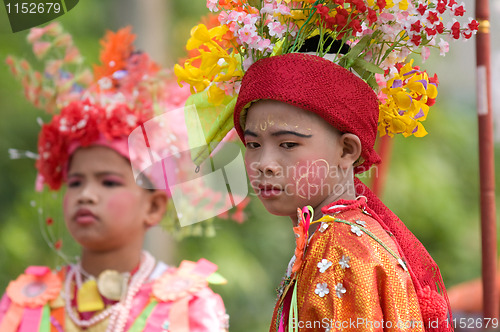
(201,35)
(406,105)
(215,95)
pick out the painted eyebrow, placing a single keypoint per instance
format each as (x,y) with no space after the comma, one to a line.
(290,132)
(98,174)
(249,133)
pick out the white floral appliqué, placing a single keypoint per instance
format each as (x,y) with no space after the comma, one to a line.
(339,290)
(323,227)
(403,265)
(361,222)
(344,262)
(322,289)
(356,230)
(324,265)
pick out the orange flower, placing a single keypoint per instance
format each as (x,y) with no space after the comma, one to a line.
(117,48)
(34,288)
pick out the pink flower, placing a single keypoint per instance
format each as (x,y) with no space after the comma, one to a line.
(283,10)
(250,19)
(41,48)
(425,53)
(212,5)
(247,63)
(53,66)
(37,271)
(276,29)
(248,34)
(264,45)
(72,55)
(35,34)
(268,8)
(444,47)
(223,17)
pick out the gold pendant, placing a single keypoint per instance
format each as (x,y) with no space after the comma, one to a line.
(111,284)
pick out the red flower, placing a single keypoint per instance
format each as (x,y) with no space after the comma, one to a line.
(360,5)
(432,17)
(416,26)
(372,16)
(430,32)
(381,4)
(58,244)
(455,30)
(468,35)
(416,39)
(322,10)
(49,221)
(356,26)
(440,27)
(473,25)
(81,122)
(459,11)
(422,9)
(441,6)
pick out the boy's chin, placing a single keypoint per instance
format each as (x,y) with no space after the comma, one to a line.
(278,209)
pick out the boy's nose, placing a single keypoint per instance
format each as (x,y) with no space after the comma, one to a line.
(269,166)
(87,195)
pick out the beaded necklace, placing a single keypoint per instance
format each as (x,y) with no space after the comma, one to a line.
(119,311)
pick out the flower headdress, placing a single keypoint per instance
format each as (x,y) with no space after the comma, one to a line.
(372,38)
(104,105)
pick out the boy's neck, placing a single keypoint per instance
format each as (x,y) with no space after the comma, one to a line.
(348,194)
(121,260)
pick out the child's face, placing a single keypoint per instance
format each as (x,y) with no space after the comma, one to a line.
(293,158)
(104,208)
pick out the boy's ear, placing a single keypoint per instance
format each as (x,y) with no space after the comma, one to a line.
(157,207)
(351,150)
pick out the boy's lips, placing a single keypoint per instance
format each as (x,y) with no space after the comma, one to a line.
(84,216)
(269,191)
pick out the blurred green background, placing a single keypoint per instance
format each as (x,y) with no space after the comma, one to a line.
(432,183)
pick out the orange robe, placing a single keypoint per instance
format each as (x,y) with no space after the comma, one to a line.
(349,281)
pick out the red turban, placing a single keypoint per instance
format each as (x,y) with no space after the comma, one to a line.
(317,85)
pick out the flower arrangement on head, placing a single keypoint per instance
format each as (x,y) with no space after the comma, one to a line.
(371,38)
(103,105)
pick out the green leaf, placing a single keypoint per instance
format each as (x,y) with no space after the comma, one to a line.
(208,124)
(216,279)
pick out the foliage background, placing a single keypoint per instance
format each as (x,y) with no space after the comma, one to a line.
(432,184)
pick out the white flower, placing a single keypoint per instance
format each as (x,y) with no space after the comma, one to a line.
(339,290)
(361,222)
(403,265)
(356,230)
(105,83)
(322,289)
(324,265)
(344,262)
(323,227)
